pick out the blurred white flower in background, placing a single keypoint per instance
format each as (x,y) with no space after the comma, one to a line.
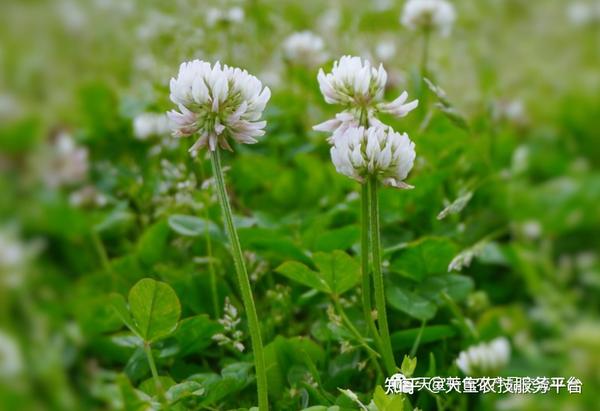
(359,87)
(87,196)
(376,151)
(513,111)
(71,14)
(272,75)
(10,107)
(304,48)
(385,50)
(520,159)
(116,7)
(15,257)
(531,229)
(382,5)
(64,163)
(484,358)
(11,361)
(215,16)
(146,125)
(429,15)
(579,13)
(329,20)
(217,102)
(582,14)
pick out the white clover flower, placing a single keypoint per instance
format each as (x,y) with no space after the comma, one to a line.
(385,50)
(64,163)
(217,102)
(376,151)
(359,87)
(429,15)
(216,16)
(146,125)
(485,358)
(304,48)
(580,13)
(15,257)
(87,196)
(11,361)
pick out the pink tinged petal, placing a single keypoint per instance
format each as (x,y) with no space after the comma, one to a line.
(219,128)
(212,142)
(328,126)
(397,184)
(201,142)
(225,144)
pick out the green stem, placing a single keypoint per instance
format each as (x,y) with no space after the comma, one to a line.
(159,387)
(101,251)
(384,331)
(244,283)
(353,330)
(425,53)
(364,260)
(415,347)
(209,252)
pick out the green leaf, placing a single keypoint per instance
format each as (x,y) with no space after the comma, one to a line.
(410,303)
(337,239)
(149,385)
(194,334)
(408,366)
(456,286)
(233,378)
(133,400)
(117,221)
(120,306)
(155,309)
(151,245)
(192,226)
(271,244)
(384,402)
(405,339)
(282,354)
(183,390)
(427,256)
(338,272)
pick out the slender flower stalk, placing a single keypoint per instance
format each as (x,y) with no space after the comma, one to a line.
(157,383)
(244,283)
(425,53)
(427,16)
(384,331)
(366,150)
(218,103)
(364,254)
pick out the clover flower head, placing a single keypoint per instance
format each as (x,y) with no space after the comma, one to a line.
(436,15)
(217,102)
(379,151)
(485,358)
(352,81)
(304,48)
(359,87)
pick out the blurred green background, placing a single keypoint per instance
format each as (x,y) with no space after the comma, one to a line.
(87,201)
